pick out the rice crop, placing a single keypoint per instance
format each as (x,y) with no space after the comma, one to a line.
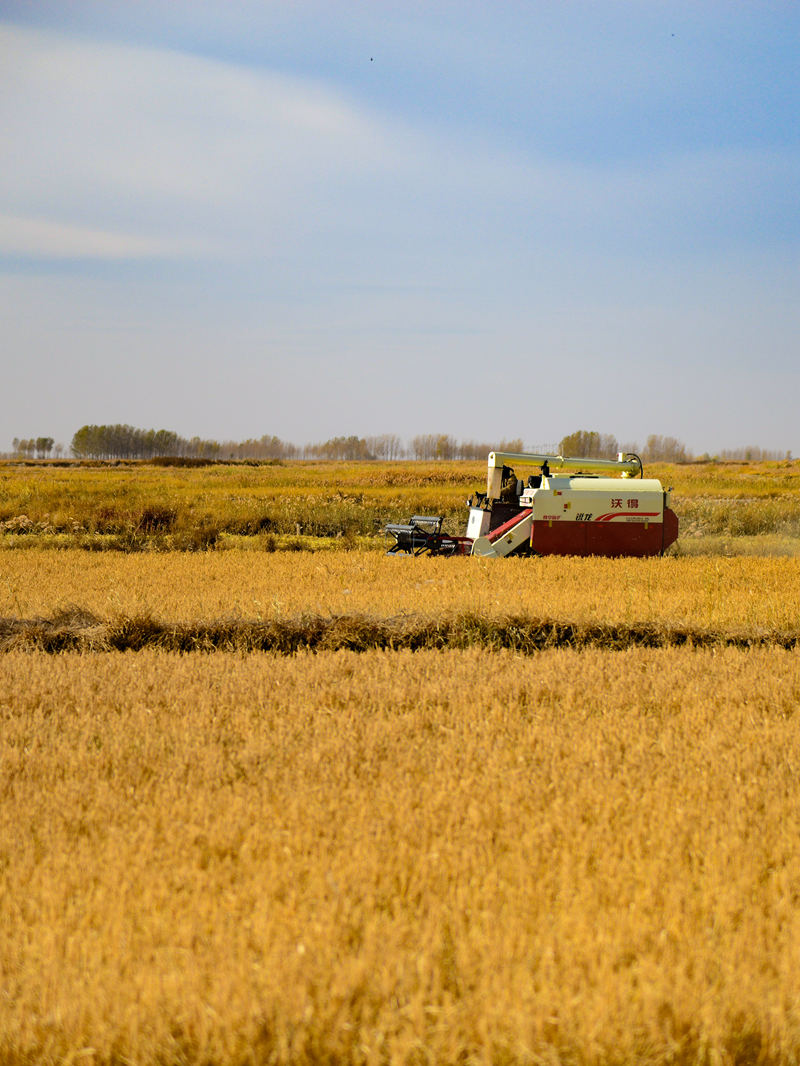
(136,506)
(746,596)
(317,499)
(413,811)
(399,857)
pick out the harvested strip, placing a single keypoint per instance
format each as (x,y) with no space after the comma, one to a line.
(79,630)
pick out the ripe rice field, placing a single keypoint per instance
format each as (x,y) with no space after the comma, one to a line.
(332,807)
(724,508)
(726,599)
(584,856)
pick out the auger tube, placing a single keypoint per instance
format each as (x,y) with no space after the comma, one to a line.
(628,466)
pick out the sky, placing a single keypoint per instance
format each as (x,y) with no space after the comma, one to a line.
(231,218)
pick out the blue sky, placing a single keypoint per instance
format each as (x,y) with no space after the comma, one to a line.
(490,220)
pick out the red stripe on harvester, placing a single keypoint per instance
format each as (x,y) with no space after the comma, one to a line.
(509,524)
(611,515)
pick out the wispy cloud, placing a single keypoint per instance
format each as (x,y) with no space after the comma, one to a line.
(44,239)
(161,153)
(112,137)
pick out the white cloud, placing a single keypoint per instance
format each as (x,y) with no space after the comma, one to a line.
(115,137)
(45,239)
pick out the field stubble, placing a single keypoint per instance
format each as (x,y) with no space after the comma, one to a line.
(394,857)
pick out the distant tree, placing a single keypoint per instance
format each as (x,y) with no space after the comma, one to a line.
(105,442)
(24,449)
(664,450)
(127,442)
(515,445)
(266,447)
(471,449)
(275,448)
(341,448)
(196,448)
(80,442)
(752,453)
(584,444)
(423,446)
(445,447)
(165,442)
(386,446)
(44,445)
(629,447)
(90,442)
(429,446)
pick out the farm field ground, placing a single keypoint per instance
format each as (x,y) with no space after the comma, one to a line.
(563,829)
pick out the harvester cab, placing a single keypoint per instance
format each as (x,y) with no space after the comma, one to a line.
(554,512)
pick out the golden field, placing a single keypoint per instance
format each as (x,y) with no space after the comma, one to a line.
(322,498)
(745,595)
(463,855)
(134,505)
(401,858)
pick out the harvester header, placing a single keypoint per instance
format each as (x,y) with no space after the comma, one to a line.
(589,512)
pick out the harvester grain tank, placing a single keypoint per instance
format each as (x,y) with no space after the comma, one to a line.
(570,507)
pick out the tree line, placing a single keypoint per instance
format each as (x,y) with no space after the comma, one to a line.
(592,445)
(127,442)
(658,449)
(34,447)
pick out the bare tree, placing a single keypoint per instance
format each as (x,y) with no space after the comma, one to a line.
(664,450)
(424,446)
(387,446)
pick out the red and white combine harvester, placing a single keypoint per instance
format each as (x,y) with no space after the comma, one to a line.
(587,512)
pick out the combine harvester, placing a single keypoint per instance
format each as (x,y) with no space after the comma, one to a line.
(586,513)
